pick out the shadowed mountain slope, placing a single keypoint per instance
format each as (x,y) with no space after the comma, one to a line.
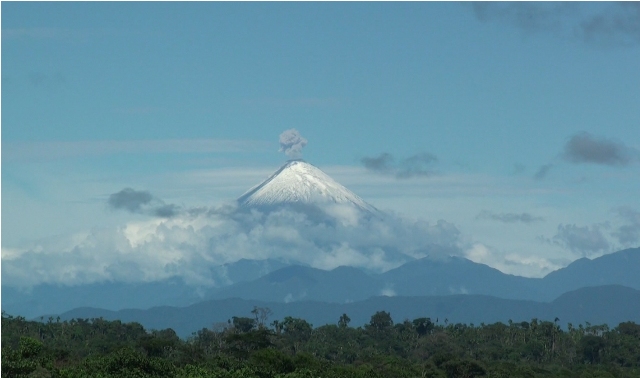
(618,268)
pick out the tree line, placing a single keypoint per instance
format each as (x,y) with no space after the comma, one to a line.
(254,346)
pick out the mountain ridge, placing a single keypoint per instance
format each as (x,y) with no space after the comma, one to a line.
(433,276)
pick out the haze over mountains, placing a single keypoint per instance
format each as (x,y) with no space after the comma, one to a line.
(435,277)
(417,265)
(295,283)
(597,305)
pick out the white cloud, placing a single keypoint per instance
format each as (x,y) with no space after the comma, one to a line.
(511,263)
(458,290)
(190,244)
(388,292)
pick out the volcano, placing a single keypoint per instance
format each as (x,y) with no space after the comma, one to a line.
(300,184)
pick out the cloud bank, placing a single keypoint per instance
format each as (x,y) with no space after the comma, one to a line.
(190,244)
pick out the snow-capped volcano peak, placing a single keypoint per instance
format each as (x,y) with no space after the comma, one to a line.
(300,183)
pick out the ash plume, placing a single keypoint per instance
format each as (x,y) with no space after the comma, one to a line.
(292,143)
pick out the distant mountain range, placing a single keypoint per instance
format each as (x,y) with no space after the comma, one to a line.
(442,276)
(598,305)
(275,281)
(440,287)
(50,298)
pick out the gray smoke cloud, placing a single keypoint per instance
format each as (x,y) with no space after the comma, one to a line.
(542,172)
(628,234)
(130,199)
(619,24)
(415,165)
(583,240)
(586,148)
(509,217)
(530,17)
(292,143)
(141,202)
(602,24)
(518,169)
(381,163)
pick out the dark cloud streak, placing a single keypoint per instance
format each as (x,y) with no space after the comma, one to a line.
(142,202)
(619,24)
(509,217)
(130,199)
(629,233)
(415,165)
(613,24)
(542,172)
(584,240)
(586,148)
(381,163)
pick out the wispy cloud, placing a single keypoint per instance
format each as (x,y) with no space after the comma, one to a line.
(509,217)
(542,172)
(301,102)
(583,240)
(416,165)
(510,263)
(48,81)
(54,34)
(600,24)
(619,24)
(518,169)
(139,110)
(35,33)
(28,151)
(628,234)
(530,17)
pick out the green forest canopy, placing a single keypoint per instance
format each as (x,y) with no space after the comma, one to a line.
(251,346)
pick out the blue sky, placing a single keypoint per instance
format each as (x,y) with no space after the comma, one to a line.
(530,112)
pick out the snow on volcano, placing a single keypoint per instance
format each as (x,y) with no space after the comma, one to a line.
(299,183)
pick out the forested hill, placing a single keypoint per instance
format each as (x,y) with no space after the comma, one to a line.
(260,346)
(599,305)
